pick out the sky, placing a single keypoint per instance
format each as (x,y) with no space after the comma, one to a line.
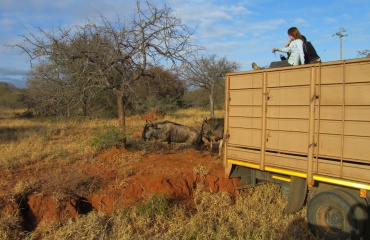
(240,30)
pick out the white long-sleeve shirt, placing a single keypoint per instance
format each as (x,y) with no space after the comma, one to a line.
(295,49)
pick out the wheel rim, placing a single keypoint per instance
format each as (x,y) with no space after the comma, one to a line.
(332,219)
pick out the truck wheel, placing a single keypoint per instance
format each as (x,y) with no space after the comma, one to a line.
(335,214)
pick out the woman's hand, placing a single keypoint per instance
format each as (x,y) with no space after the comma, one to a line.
(274,49)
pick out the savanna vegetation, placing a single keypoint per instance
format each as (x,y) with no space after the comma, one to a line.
(47,156)
(54,133)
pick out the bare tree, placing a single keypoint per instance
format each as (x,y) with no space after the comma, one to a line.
(113,55)
(364,53)
(207,73)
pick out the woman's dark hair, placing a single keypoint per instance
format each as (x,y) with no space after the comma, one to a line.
(293,31)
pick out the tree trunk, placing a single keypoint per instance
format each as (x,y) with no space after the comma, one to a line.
(121,115)
(85,105)
(211,103)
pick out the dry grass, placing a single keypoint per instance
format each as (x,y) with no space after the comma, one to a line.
(192,117)
(9,224)
(254,214)
(25,141)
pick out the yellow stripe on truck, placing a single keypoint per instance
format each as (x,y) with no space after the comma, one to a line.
(286,172)
(281,178)
(341,182)
(319,178)
(244,164)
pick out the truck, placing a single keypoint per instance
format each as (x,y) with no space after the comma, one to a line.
(306,128)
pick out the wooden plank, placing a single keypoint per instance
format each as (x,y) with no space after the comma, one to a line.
(356,172)
(352,113)
(331,74)
(243,122)
(354,147)
(243,155)
(351,128)
(328,168)
(246,81)
(294,112)
(290,77)
(245,97)
(357,72)
(351,171)
(245,111)
(245,137)
(289,96)
(294,163)
(291,142)
(295,125)
(355,94)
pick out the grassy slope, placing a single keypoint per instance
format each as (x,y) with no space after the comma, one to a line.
(254,214)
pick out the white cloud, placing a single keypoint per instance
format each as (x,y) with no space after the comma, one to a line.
(330,20)
(239,10)
(300,21)
(346,16)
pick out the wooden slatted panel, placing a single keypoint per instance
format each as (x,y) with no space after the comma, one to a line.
(245,111)
(288,125)
(242,122)
(245,97)
(246,81)
(287,117)
(357,72)
(293,112)
(355,94)
(331,74)
(351,171)
(292,77)
(291,142)
(351,128)
(294,163)
(353,113)
(243,155)
(286,96)
(354,147)
(245,137)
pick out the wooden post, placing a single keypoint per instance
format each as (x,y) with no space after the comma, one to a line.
(311,131)
(264,115)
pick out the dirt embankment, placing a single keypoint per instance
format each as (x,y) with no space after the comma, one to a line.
(116,178)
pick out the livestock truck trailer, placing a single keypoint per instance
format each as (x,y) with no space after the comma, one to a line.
(306,128)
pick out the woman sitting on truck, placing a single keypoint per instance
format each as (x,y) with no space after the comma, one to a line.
(310,54)
(294,47)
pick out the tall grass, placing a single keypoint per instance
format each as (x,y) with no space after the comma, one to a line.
(253,214)
(256,214)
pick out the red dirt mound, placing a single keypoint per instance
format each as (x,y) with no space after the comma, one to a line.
(119,178)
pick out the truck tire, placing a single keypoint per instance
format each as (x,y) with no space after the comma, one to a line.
(335,214)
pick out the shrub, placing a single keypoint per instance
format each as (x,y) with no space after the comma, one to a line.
(155,205)
(109,136)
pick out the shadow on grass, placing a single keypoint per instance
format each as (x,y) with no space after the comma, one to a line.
(13,134)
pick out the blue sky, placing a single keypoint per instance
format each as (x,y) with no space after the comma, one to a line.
(242,30)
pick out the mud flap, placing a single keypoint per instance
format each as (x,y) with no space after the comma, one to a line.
(297,194)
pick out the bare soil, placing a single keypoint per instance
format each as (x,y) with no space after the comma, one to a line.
(116,178)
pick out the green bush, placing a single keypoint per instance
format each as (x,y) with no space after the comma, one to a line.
(155,205)
(107,137)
